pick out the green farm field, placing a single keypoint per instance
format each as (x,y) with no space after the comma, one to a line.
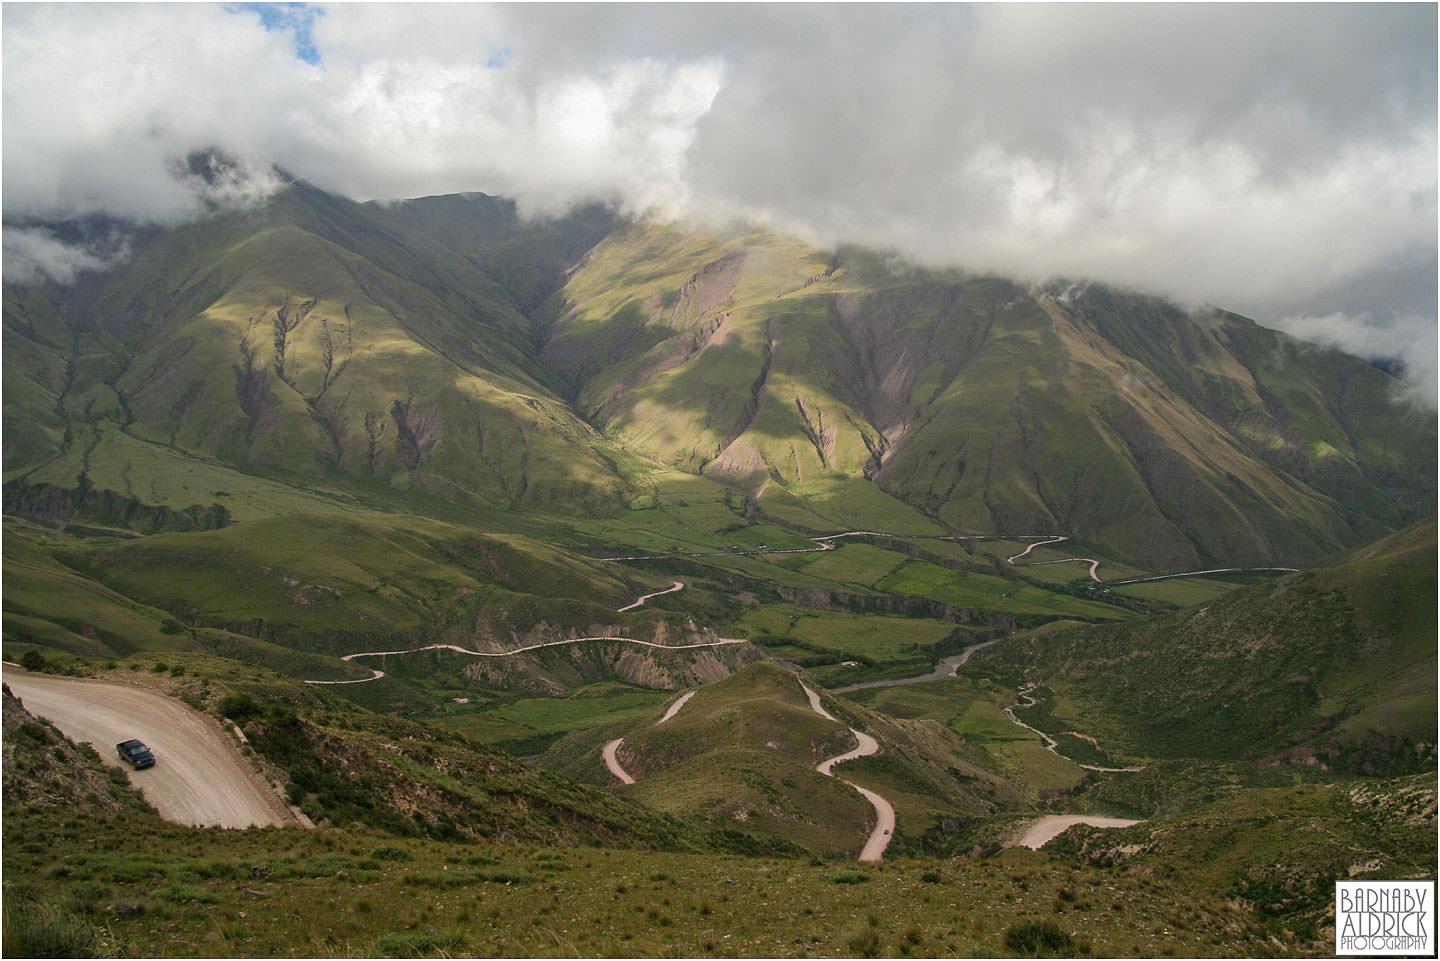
(970,590)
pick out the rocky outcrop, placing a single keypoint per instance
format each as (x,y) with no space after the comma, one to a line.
(67,507)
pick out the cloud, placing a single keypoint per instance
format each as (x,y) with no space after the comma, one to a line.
(1411,339)
(34,254)
(1275,159)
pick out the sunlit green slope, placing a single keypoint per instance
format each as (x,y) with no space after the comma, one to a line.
(991,407)
(310,342)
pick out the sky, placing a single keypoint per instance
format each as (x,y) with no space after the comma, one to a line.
(1276,160)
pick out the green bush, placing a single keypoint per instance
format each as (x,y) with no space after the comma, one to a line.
(389,852)
(418,944)
(1039,939)
(504,876)
(180,893)
(46,931)
(850,876)
(866,944)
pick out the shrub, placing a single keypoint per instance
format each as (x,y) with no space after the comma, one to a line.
(85,896)
(850,876)
(180,893)
(418,944)
(1039,939)
(389,852)
(865,944)
(32,660)
(46,931)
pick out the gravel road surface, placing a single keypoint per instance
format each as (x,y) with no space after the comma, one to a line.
(199,776)
(1045,830)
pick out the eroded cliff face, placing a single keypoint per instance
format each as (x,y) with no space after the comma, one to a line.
(552,671)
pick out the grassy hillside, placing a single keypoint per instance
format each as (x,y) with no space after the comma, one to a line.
(311,341)
(1281,849)
(295,588)
(83,880)
(1333,665)
(742,753)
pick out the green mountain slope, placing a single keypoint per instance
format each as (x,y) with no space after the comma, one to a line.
(1334,665)
(1154,435)
(296,593)
(442,355)
(311,341)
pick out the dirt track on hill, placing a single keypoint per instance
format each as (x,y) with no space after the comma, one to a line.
(865,745)
(199,776)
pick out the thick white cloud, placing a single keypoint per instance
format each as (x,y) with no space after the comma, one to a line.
(101,101)
(1276,159)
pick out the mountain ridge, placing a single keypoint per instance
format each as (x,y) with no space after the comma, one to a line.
(444,349)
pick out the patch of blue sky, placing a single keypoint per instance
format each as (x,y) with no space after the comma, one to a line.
(298,18)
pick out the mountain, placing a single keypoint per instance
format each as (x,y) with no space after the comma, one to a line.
(990,407)
(313,339)
(442,356)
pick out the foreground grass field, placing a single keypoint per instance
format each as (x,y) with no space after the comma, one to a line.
(117,887)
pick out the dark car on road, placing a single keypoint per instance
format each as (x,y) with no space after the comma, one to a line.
(136,753)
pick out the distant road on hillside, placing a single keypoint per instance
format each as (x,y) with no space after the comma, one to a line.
(199,776)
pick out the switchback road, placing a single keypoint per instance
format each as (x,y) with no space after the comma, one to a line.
(884,831)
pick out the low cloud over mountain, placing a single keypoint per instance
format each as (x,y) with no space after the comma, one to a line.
(1277,160)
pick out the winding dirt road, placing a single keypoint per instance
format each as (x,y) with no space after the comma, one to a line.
(608,752)
(376,674)
(612,763)
(675,586)
(826,542)
(199,776)
(946,668)
(1054,746)
(884,831)
(866,745)
(1056,539)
